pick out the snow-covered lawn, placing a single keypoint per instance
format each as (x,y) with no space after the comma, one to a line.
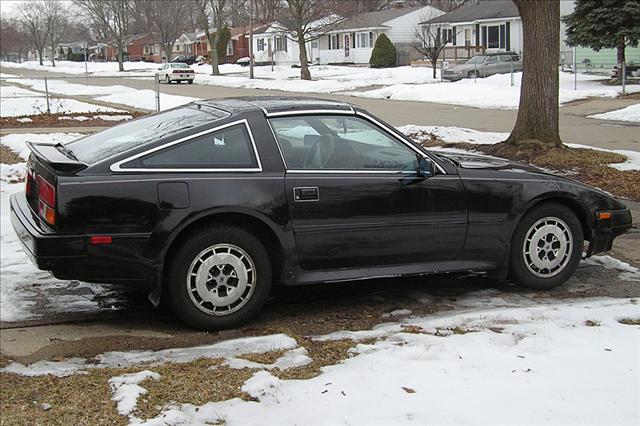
(460,134)
(96,68)
(630,114)
(16,101)
(493,92)
(494,359)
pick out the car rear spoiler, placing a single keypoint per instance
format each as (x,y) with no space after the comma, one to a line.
(55,158)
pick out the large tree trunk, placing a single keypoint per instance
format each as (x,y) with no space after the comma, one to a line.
(40,55)
(305,74)
(168,48)
(214,53)
(620,56)
(538,111)
(53,55)
(120,64)
(434,66)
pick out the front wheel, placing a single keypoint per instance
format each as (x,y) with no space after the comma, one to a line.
(220,278)
(190,81)
(167,79)
(546,247)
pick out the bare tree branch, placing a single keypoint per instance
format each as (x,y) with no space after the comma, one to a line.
(32,16)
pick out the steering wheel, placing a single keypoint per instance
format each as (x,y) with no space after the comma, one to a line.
(320,152)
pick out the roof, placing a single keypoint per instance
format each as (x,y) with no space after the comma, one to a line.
(274,104)
(374,19)
(476,11)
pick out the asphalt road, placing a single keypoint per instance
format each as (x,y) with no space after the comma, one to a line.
(574,126)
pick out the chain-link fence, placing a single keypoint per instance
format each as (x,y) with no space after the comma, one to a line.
(78,97)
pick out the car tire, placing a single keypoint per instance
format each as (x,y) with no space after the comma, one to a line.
(167,79)
(473,74)
(190,81)
(546,247)
(219,278)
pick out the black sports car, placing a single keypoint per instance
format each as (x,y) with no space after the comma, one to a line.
(210,203)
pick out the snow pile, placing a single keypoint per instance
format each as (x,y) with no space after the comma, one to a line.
(17,141)
(13,173)
(422,373)
(95,68)
(225,349)
(493,92)
(630,113)
(627,272)
(293,358)
(126,390)
(146,99)
(463,135)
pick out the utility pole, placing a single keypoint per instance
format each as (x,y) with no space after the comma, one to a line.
(251,39)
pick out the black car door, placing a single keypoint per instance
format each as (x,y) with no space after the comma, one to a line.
(356,200)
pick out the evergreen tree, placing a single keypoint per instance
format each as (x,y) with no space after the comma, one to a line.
(383,54)
(602,24)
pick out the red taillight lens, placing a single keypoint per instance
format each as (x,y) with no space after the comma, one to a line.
(46,192)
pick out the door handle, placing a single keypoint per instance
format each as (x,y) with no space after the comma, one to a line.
(309,193)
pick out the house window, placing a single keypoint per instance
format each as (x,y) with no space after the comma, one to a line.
(146,49)
(493,36)
(362,40)
(334,41)
(281,44)
(447,35)
(156,49)
(229,48)
(467,37)
(260,45)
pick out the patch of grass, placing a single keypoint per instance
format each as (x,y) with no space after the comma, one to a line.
(630,321)
(323,354)
(585,165)
(75,400)
(7,156)
(592,323)
(263,358)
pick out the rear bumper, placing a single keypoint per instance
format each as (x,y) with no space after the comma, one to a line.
(607,230)
(46,249)
(72,257)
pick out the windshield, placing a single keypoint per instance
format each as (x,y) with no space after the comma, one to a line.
(119,139)
(476,60)
(179,66)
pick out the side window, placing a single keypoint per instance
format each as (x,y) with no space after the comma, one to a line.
(492,60)
(224,149)
(505,58)
(339,143)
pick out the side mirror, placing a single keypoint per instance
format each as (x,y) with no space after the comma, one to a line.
(425,167)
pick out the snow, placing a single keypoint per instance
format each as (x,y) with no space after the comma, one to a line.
(463,135)
(146,99)
(113,117)
(397,313)
(493,92)
(627,272)
(17,141)
(630,113)
(24,120)
(95,68)
(16,101)
(225,349)
(511,366)
(126,389)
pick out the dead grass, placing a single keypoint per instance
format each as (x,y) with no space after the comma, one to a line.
(7,156)
(53,120)
(592,323)
(585,165)
(630,321)
(263,358)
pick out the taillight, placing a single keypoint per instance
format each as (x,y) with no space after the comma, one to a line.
(46,200)
(46,192)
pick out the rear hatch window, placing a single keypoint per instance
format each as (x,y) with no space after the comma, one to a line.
(118,139)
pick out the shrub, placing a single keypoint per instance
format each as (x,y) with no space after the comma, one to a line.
(383,54)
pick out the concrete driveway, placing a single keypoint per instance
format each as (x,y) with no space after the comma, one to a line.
(574,126)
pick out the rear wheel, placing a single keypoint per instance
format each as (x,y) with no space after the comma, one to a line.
(167,79)
(219,278)
(546,247)
(473,74)
(190,81)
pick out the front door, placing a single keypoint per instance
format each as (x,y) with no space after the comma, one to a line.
(356,200)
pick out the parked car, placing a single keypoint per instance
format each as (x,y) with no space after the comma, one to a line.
(484,66)
(185,59)
(210,203)
(244,61)
(176,72)
(631,70)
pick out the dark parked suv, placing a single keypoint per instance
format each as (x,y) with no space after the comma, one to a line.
(210,203)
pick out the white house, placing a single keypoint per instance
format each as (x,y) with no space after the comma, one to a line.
(271,45)
(493,26)
(352,41)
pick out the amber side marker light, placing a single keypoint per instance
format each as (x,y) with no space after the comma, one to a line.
(604,215)
(100,239)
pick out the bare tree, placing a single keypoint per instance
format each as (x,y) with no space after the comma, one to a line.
(431,41)
(112,18)
(166,20)
(55,14)
(32,16)
(14,39)
(265,10)
(214,11)
(304,21)
(538,110)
